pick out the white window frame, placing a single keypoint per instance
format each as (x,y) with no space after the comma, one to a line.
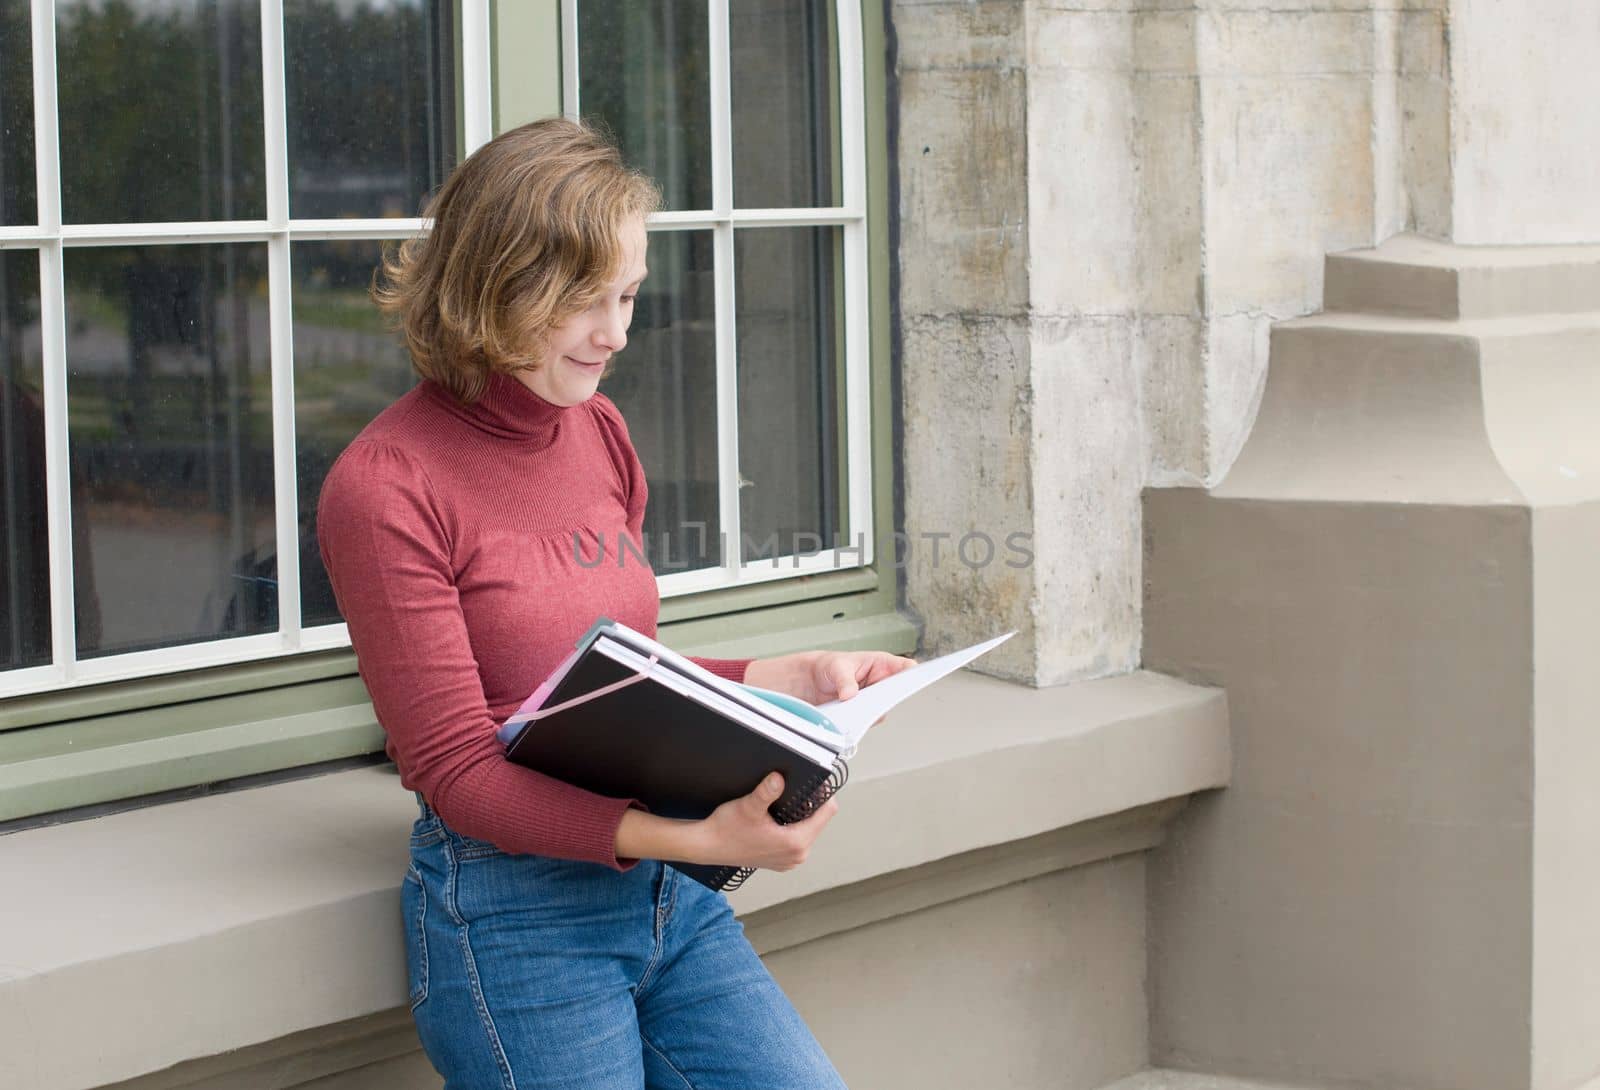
(50,237)
(722,218)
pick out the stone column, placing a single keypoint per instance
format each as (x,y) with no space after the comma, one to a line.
(965,331)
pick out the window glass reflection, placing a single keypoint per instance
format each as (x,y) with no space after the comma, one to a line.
(25,559)
(16,115)
(160,105)
(371,105)
(170,433)
(788,335)
(784,101)
(665,383)
(643,71)
(347,368)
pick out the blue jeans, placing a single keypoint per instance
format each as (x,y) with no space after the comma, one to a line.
(529,973)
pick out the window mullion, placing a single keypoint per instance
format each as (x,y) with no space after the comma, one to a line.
(858,392)
(852,111)
(53,338)
(164,234)
(280,321)
(21,238)
(477,81)
(57,471)
(381,229)
(569,58)
(857,286)
(726,333)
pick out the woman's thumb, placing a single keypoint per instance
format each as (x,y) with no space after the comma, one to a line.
(770,788)
(844,682)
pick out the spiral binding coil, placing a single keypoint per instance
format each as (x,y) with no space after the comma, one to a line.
(823,790)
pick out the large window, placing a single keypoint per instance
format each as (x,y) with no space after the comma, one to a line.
(193,197)
(746,389)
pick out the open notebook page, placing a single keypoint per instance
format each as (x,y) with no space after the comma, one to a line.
(855,716)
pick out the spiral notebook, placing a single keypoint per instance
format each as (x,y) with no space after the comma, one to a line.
(624,716)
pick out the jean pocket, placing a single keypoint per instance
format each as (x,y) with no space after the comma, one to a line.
(414,903)
(468,848)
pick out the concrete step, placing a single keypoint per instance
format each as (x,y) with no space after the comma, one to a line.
(1379,342)
(1419,277)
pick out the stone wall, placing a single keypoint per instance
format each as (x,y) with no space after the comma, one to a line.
(1105,204)
(1525,134)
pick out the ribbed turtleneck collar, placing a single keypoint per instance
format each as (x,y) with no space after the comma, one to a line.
(507,409)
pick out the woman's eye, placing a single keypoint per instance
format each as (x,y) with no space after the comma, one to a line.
(629,298)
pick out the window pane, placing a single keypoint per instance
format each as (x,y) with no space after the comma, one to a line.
(788,337)
(160,110)
(665,383)
(347,367)
(25,559)
(16,115)
(784,100)
(371,105)
(643,70)
(169,400)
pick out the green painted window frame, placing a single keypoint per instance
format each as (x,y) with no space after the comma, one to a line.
(86,747)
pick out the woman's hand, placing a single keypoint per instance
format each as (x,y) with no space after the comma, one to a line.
(820,676)
(741,832)
(738,833)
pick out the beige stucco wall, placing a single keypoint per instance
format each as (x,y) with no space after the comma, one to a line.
(1039,984)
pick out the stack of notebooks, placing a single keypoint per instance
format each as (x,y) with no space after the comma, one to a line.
(626,716)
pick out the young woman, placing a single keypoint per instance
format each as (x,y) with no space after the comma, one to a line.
(547,946)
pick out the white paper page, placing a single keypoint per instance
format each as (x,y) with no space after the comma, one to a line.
(854,716)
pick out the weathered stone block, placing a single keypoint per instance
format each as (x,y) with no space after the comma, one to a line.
(1524,130)
(1239,44)
(1093,41)
(963,191)
(1169,217)
(1424,92)
(1088,471)
(1169,355)
(1289,176)
(968,419)
(1082,192)
(1114,201)
(944,34)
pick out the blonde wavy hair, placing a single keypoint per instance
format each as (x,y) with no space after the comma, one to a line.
(526,232)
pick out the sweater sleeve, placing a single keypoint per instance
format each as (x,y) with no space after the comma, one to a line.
(631,473)
(386,549)
(732,669)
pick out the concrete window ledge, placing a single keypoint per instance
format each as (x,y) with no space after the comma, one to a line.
(134,942)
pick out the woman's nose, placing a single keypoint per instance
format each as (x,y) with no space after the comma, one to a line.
(612,333)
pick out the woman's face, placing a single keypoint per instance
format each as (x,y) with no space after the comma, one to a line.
(580,347)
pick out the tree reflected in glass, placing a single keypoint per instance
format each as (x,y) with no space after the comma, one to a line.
(160,107)
(170,435)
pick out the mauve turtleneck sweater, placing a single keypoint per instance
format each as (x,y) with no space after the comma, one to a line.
(451,535)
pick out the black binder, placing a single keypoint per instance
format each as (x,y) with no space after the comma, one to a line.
(670,739)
